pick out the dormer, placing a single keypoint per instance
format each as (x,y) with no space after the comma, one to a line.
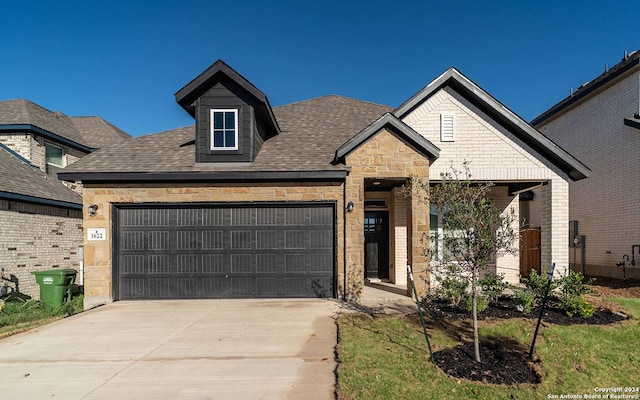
(233,117)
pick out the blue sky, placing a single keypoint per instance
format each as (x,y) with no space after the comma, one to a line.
(124,60)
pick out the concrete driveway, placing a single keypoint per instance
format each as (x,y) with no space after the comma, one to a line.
(213,349)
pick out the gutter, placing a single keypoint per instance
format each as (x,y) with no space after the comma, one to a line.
(208,176)
(46,134)
(40,200)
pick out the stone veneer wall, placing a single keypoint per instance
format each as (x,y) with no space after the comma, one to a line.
(98,254)
(36,238)
(385,156)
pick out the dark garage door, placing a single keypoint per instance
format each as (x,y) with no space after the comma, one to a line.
(225,251)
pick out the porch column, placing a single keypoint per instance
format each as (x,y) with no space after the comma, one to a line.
(418,258)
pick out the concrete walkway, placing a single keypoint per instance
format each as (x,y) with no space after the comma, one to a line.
(213,349)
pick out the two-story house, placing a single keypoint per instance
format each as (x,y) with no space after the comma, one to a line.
(600,124)
(42,217)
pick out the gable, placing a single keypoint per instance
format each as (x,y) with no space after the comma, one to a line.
(233,117)
(494,152)
(494,113)
(399,129)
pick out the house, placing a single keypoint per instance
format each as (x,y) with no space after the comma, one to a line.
(304,200)
(600,124)
(41,217)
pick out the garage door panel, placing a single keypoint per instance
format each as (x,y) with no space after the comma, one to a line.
(226,251)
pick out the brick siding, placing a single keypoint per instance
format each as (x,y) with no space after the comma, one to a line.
(605,204)
(36,238)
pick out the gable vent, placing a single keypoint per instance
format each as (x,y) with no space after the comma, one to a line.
(447,131)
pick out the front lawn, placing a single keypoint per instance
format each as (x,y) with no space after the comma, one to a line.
(385,357)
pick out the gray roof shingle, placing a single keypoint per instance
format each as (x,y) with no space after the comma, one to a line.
(93,132)
(311,131)
(31,182)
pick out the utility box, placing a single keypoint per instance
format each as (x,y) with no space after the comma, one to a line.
(55,285)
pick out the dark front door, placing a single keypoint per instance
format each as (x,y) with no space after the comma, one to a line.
(376,244)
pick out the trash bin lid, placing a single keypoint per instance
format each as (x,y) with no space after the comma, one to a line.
(56,272)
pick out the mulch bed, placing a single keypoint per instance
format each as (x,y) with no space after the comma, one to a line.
(504,361)
(506,308)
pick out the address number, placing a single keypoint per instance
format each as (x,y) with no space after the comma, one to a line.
(97,234)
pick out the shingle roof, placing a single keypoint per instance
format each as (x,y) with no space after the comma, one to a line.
(92,132)
(31,183)
(97,132)
(311,131)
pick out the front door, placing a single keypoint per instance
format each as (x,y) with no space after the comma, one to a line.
(376,244)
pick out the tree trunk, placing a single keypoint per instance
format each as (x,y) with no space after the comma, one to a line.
(474,302)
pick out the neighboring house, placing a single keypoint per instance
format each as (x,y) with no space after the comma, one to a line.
(41,217)
(304,200)
(600,124)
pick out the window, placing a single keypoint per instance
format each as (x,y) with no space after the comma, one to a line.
(447,131)
(54,159)
(441,237)
(224,129)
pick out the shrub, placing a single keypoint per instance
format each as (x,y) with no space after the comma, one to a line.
(493,286)
(482,303)
(452,290)
(524,299)
(537,284)
(577,305)
(574,284)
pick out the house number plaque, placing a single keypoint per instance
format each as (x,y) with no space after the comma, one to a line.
(97,233)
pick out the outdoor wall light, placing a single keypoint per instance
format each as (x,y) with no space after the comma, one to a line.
(350,206)
(93,210)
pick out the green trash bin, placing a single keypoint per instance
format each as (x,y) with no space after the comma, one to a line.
(55,285)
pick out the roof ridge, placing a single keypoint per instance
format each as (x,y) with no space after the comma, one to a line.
(334,95)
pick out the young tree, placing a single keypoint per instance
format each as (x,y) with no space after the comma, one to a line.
(474,231)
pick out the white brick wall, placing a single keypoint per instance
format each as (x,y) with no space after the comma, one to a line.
(497,155)
(606,205)
(401,236)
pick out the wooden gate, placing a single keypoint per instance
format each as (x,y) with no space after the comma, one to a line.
(529,251)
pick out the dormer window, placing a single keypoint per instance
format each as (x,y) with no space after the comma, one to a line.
(224,129)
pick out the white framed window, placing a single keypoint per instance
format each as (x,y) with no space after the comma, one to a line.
(224,129)
(54,159)
(447,128)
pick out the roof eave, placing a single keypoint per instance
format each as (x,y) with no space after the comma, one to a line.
(46,134)
(40,200)
(209,176)
(495,109)
(388,120)
(599,82)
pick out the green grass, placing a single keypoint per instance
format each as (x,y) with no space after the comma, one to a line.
(18,315)
(386,357)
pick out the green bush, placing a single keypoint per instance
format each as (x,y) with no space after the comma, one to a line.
(452,290)
(537,284)
(525,298)
(574,284)
(493,286)
(577,305)
(482,303)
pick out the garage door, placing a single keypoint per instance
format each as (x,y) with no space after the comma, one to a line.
(225,251)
